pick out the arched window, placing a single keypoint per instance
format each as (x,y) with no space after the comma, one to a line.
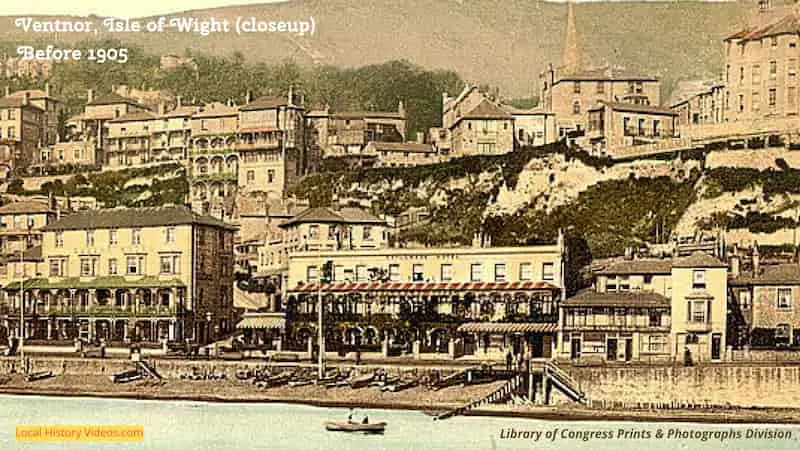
(576,107)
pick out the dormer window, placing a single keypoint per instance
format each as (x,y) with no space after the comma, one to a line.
(699,279)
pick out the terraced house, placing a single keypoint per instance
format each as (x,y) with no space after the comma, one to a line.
(129,275)
(649,310)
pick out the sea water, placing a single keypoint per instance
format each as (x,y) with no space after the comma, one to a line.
(201,425)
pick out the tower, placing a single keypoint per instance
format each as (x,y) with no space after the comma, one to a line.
(571,61)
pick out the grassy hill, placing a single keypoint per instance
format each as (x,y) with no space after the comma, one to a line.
(504,44)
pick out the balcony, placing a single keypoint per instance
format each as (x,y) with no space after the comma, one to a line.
(259,144)
(576,327)
(94,311)
(698,326)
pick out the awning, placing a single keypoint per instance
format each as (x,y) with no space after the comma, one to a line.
(261,322)
(498,327)
(423,286)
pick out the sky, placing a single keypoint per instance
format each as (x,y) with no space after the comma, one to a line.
(137,8)
(134,8)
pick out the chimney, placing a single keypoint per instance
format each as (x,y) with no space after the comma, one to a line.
(89,95)
(735,266)
(248,97)
(420,137)
(756,260)
(47,89)
(179,101)
(291,95)
(27,99)
(401,109)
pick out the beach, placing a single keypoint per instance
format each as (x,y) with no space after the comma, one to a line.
(417,398)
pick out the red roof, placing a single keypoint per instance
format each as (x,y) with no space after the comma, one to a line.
(422,286)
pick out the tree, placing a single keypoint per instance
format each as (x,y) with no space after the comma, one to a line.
(16,186)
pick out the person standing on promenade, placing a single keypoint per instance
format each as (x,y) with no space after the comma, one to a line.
(509,360)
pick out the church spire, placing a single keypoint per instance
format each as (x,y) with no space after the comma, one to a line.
(571,61)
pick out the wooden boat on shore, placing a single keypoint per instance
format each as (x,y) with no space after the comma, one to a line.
(361,381)
(126,377)
(36,376)
(356,427)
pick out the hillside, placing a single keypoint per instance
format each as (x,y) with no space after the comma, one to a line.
(504,44)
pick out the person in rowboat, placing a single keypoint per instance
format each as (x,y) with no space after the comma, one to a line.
(365,421)
(350,416)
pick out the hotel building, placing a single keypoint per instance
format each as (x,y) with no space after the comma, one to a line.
(129,275)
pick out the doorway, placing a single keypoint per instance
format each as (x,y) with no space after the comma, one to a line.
(716,347)
(628,349)
(611,349)
(575,348)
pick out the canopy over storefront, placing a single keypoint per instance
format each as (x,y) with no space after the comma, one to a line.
(505,328)
(263,321)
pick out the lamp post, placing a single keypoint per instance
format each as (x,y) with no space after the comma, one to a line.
(324,276)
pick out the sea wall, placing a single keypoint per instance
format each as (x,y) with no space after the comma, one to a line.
(740,385)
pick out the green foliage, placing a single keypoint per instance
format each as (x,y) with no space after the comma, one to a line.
(15,186)
(524,103)
(758,222)
(610,216)
(730,179)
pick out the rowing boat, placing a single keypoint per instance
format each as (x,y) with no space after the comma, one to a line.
(356,427)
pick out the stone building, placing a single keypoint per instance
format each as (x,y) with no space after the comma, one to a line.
(473,124)
(348,132)
(762,303)
(761,64)
(22,131)
(612,125)
(571,89)
(52,107)
(21,223)
(649,310)
(532,127)
(149,275)
(698,102)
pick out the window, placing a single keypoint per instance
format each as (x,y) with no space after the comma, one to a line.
(58,267)
(500,272)
(611,283)
(576,107)
(270,175)
(90,238)
(783,333)
(624,283)
(362,274)
(756,101)
(11,134)
(774,41)
(698,279)
(601,87)
(773,97)
(741,102)
(773,69)
(417,273)
(312,274)
(791,68)
(576,87)
(648,279)
(313,232)
(697,311)
(88,267)
(756,74)
(476,272)
(394,272)
(791,98)
(332,232)
(136,236)
(741,75)
(447,272)
(169,235)
(655,318)
(112,266)
(547,271)
(526,272)
(744,299)
(169,264)
(692,338)
(655,343)
(59,239)
(251,176)
(112,237)
(367,233)
(134,265)
(784,298)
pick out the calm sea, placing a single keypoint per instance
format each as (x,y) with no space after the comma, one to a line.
(197,425)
